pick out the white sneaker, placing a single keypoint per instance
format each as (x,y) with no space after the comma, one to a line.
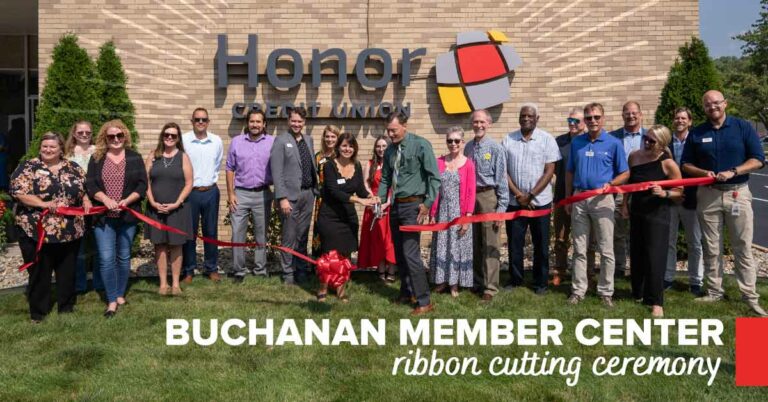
(755,306)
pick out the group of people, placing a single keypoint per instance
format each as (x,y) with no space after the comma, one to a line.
(402,184)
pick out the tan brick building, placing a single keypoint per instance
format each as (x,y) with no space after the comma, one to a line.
(573,51)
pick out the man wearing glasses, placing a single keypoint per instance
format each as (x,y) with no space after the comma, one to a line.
(205,151)
(597,160)
(728,149)
(576,126)
(631,137)
(248,193)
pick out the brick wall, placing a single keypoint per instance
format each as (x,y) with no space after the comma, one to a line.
(573,52)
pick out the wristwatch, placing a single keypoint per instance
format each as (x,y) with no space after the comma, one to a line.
(735,172)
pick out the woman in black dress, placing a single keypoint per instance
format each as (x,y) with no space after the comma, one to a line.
(170,181)
(648,212)
(337,219)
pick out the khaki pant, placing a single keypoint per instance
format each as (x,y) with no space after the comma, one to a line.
(562,222)
(620,236)
(714,209)
(486,245)
(595,213)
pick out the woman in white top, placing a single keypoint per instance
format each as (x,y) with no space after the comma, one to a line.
(79,148)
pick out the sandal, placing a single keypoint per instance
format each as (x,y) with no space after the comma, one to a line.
(440,288)
(390,278)
(454,293)
(164,291)
(321,297)
(176,291)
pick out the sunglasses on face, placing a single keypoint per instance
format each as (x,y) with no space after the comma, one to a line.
(83,133)
(649,140)
(593,118)
(200,120)
(112,137)
(170,135)
(453,141)
(573,120)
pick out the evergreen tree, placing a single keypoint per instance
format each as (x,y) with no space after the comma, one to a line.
(692,74)
(70,93)
(115,101)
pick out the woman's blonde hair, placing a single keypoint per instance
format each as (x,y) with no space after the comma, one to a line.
(101,139)
(332,129)
(663,137)
(69,146)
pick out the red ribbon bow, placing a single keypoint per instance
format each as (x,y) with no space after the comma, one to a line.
(334,269)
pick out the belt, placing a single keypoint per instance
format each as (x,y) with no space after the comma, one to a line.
(203,188)
(727,187)
(306,188)
(254,189)
(413,198)
(483,189)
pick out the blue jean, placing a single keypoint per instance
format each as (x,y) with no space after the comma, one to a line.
(113,241)
(205,205)
(86,253)
(516,229)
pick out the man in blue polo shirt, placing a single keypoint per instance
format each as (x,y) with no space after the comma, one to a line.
(728,149)
(597,161)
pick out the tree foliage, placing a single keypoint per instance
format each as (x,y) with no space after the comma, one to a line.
(749,91)
(114,97)
(692,74)
(756,43)
(70,93)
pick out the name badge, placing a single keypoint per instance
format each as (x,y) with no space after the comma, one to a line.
(340,181)
(289,145)
(709,139)
(589,154)
(323,160)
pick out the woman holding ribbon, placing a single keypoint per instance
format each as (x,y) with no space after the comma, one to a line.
(326,154)
(79,148)
(376,248)
(648,212)
(337,218)
(451,258)
(170,181)
(117,180)
(41,185)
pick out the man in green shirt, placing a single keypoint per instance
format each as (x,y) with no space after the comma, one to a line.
(410,172)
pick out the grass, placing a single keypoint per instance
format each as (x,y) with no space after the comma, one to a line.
(85,357)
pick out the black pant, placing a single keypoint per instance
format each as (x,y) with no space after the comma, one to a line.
(54,257)
(516,229)
(413,276)
(648,239)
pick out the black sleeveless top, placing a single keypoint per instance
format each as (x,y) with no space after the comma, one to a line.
(645,201)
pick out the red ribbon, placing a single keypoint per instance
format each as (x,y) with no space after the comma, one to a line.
(334,269)
(79,211)
(492,217)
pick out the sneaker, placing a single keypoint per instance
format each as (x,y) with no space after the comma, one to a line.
(708,299)
(540,291)
(238,279)
(574,299)
(607,301)
(696,290)
(755,306)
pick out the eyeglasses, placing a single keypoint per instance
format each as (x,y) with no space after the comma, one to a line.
(573,120)
(453,141)
(593,118)
(83,132)
(200,120)
(714,104)
(170,135)
(649,140)
(112,137)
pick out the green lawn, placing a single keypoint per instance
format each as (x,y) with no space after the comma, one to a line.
(85,357)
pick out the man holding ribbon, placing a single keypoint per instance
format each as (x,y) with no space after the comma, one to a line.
(410,170)
(728,149)
(597,162)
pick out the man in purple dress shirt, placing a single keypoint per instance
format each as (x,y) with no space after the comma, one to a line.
(248,193)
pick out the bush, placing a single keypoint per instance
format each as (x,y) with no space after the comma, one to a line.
(115,101)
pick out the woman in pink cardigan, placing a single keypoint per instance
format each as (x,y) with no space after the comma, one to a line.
(451,258)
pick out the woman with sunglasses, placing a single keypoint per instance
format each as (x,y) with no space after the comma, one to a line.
(79,148)
(648,213)
(326,154)
(170,181)
(451,258)
(117,180)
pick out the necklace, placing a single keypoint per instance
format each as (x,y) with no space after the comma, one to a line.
(170,163)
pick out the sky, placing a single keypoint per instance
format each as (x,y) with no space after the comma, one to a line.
(720,20)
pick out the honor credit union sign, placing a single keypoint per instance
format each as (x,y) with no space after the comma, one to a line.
(460,88)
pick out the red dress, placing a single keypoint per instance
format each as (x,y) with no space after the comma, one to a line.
(375,245)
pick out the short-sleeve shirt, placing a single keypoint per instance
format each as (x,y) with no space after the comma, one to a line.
(526,160)
(205,156)
(595,163)
(490,161)
(34,178)
(718,150)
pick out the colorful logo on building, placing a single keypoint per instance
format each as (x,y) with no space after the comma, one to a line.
(476,74)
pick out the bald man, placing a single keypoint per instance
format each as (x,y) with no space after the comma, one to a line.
(728,149)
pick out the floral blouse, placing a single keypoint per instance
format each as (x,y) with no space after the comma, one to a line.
(33,178)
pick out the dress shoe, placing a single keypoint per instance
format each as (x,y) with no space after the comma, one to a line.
(755,306)
(421,310)
(555,280)
(214,277)
(410,300)
(540,291)
(696,290)
(238,279)
(187,279)
(668,285)
(487,297)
